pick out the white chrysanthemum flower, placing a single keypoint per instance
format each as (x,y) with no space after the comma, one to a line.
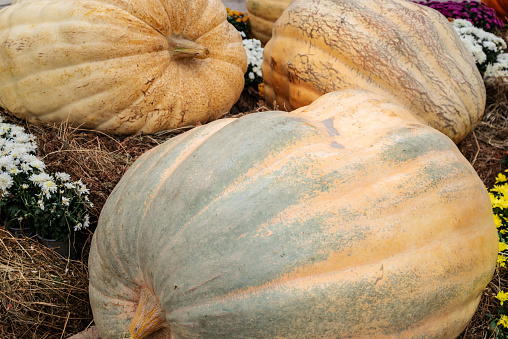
(83,190)
(78,227)
(49,186)
(40,178)
(38,164)
(81,187)
(18,151)
(28,158)
(14,171)
(66,201)
(477,41)
(69,185)
(41,204)
(6,181)
(25,167)
(63,176)
(86,223)
(17,130)
(498,69)
(22,138)
(7,163)
(24,186)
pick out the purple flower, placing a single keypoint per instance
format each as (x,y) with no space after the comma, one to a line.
(475,12)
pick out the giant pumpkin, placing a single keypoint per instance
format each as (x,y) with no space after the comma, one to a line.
(344,219)
(120,66)
(262,15)
(407,52)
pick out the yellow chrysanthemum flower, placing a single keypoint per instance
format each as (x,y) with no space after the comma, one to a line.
(503,321)
(501,189)
(498,221)
(502,297)
(501,177)
(502,246)
(501,260)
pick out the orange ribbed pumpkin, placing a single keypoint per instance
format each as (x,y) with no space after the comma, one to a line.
(120,66)
(500,6)
(262,15)
(408,53)
(343,219)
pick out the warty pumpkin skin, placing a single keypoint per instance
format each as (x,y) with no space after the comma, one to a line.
(344,219)
(262,16)
(120,66)
(406,52)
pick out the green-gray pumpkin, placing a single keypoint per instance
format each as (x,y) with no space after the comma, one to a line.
(344,219)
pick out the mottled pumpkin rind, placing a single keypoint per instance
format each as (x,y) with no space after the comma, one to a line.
(111,65)
(332,221)
(406,52)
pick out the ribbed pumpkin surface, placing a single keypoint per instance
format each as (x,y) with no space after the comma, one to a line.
(263,14)
(345,219)
(407,52)
(500,6)
(120,66)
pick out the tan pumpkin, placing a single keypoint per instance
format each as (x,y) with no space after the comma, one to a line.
(120,66)
(343,219)
(406,52)
(262,15)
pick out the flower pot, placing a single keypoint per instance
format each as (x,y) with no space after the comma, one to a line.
(64,248)
(19,232)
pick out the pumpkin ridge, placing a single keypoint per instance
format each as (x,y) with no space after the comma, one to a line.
(121,299)
(329,277)
(25,78)
(51,115)
(229,190)
(349,59)
(192,145)
(124,272)
(84,117)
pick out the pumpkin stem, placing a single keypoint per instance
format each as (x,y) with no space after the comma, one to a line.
(149,316)
(181,48)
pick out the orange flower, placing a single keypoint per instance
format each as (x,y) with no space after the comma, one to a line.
(261,89)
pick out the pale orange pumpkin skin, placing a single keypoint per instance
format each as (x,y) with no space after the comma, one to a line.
(262,16)
(120,66)
(406,52)
(343,219)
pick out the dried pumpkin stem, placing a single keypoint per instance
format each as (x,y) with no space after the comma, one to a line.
(149,316)
(181,48)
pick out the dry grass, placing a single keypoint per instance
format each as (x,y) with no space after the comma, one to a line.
(42,294)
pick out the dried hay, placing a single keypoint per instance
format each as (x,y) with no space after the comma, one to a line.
(42,294)
(494,126)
